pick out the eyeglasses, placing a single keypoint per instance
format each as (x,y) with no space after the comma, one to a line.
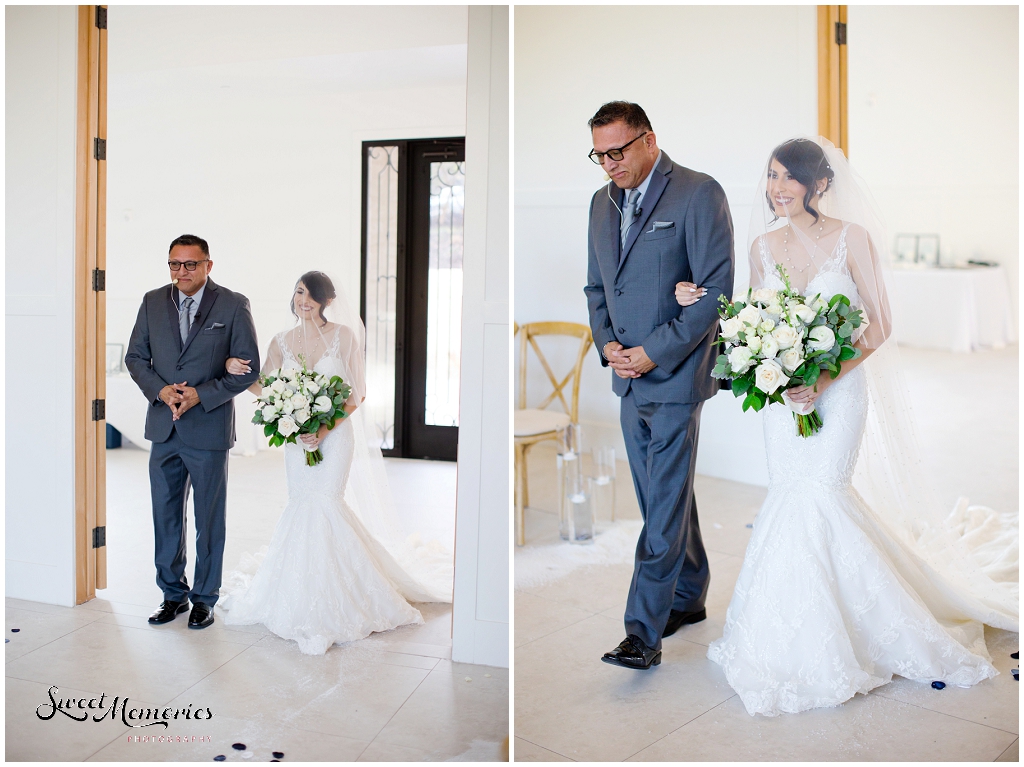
(611,154)
(189,265)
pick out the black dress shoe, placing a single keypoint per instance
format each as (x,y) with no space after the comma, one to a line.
(201,616)
(633,653)
(677,619)
(168,611)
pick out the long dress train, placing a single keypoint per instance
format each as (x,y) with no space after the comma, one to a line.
(828,602)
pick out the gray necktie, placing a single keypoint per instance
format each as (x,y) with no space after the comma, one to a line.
(183,312)
(628,213)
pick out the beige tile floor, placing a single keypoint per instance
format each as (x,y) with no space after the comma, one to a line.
(395,696)
(570,706)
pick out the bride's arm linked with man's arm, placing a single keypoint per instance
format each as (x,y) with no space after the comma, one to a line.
(274,360)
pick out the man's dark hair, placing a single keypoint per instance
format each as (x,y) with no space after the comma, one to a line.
(191,239)
(632,114)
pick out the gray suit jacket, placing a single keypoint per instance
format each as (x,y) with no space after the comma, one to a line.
(684,233)
(156,357)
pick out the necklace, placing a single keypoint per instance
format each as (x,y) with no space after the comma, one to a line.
(785,241)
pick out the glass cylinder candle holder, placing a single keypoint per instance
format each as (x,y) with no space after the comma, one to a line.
(580,509)
(604,483)
(570,468)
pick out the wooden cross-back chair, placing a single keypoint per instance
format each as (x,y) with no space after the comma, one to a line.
(533,425)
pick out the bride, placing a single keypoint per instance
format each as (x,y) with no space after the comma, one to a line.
(842,588)
(336,569)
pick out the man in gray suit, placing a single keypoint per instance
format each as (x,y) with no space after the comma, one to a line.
(654,225)
(182,338)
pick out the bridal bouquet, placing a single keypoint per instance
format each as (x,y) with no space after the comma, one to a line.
(778,340)
(297,402)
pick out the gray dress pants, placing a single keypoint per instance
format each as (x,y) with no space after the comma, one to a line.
(173,468)
(671,570)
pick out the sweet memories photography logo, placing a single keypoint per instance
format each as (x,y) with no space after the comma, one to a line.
(80,709)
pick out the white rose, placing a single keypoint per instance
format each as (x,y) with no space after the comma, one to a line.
(786,336)
(739,359)
(266,393)
(769,347)
(270,413)
(763,296)
(285,406)
(805,314)
(312,387)
(731,328)
(323,404)
(301,416)
(750,315)
(774,308)
(278,386)
(791,359)
(754,342)
(286,426)
(299,402)
(769,376)
(819,305)
(820,339)
(287,392)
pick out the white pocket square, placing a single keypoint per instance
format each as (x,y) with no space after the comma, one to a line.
(656,225)
(216,325)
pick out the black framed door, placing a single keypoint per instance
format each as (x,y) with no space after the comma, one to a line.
(412,292)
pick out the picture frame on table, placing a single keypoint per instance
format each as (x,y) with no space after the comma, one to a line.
(115,359)
(928,249)
(906,248)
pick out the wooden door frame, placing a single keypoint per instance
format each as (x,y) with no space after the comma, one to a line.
(90,304)
(833,114)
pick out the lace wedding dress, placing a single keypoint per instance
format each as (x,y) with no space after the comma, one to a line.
(325,578)
(829,602)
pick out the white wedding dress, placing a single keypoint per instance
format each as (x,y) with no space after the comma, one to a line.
(325,579)
(829,602)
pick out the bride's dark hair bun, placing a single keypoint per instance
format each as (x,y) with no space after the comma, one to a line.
(806,162)
(320,289)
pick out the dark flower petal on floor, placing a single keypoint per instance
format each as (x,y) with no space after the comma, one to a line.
(219,758)
(278,754)
(238,746)
(15,631)
(938,685)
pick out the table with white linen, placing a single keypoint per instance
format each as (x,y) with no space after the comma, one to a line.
(954,309)
(126,409)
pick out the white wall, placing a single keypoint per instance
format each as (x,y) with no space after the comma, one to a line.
(934,125)
(480,624)
(250,136)
(40,99)
(721,86)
